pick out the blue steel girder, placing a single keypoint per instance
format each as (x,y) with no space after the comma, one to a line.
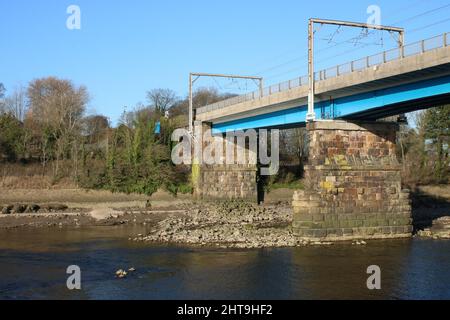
(365,106)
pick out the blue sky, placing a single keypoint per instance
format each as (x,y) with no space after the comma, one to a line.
(125,48)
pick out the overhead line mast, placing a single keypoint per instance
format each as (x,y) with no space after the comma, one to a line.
(214,75)
(311,115)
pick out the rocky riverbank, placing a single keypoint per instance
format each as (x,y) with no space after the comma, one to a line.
(19,208)
(60,208)
(14,216)
(439,230)
(231,224)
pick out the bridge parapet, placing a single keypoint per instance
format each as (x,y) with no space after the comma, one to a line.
(388,64)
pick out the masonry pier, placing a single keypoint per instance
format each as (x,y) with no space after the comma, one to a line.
(219,180)
(353,184)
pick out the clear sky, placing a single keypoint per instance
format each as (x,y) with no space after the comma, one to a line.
(125,48)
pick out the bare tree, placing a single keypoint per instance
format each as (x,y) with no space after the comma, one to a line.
(295,143)
(129,118)
(16,103)
(205,96)
(95,127)
(162,99)
(201,97)
(2,95)
(57,102)
(58,105)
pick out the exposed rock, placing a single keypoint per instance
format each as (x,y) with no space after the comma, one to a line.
(18,208)
(439,230)
(53,207)
(32,208)
(56,207)
(121,274)
(231,224)
(7,209)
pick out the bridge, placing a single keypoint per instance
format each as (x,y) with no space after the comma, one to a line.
(353,178)
(416,76)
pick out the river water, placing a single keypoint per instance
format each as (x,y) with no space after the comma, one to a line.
(33,265)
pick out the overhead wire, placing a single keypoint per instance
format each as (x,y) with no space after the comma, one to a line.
(356,39)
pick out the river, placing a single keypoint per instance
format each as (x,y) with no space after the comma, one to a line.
(33,265)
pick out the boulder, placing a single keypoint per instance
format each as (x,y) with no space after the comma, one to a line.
(32,208)
(441,228)
(7,209)
(35,208)
(57,207)
(18,208)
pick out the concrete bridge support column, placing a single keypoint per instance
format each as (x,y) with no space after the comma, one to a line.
(225,179)
(353,184)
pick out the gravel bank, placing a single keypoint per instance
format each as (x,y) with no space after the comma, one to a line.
(231,224)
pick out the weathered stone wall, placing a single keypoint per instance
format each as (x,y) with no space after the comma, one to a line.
(353,188)
(221,181)
(228,182)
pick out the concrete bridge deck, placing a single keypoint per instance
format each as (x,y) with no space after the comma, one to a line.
(392,82)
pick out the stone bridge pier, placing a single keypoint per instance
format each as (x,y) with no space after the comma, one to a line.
(224,179)
(353,184)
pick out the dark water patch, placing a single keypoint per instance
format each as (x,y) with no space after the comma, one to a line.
(33,265)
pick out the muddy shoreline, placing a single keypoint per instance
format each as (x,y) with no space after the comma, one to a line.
(232,224)
(86,217)
(225,224)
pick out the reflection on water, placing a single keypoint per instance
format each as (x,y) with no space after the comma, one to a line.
(33,264)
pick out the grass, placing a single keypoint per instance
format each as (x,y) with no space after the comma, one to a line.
(180,189)
(185,189)
(294,185)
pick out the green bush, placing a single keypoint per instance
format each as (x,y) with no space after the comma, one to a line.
(11,136)
(137,161)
